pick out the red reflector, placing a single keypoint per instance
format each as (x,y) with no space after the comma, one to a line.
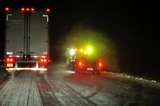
(22,9)
(48,10)
(32,9)
(7,9)
(27,9)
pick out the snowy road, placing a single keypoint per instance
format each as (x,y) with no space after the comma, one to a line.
(65,88)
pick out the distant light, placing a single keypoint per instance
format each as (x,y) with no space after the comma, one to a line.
(7,9)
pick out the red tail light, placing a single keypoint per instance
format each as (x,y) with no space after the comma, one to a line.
(9,59)
(80,63)
(43,60)
(100,64)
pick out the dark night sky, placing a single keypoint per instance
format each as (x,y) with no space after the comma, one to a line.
(131,24)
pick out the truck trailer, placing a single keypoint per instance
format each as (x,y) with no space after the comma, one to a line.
(27,39)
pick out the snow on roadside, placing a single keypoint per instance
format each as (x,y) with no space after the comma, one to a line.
(114,89)
(145,82)
(109,88)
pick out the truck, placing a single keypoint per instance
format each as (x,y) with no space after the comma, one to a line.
(80,60)
(27,40)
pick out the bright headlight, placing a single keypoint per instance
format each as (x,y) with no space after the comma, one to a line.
(72,52)
(89,50)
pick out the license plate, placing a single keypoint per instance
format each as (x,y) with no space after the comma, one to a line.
(9,64)
(90,69)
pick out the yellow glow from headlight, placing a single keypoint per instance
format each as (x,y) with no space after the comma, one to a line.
(81,50)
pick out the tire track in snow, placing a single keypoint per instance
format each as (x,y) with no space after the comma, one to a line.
(46,93)
(68,96)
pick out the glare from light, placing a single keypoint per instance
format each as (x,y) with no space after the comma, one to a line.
(89,50)
(9,53)
(69,71)
(81,50)
(72,52)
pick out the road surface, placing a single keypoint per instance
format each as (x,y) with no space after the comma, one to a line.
(66,88)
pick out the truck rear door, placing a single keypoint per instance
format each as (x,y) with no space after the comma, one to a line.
(14,32)
(39,32)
